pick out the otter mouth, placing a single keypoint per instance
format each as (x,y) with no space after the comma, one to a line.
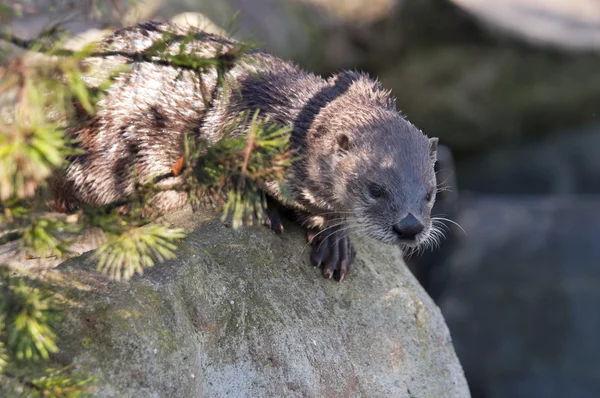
(395,240)
(408,243)
(409,239)
(411,242)
(405,239)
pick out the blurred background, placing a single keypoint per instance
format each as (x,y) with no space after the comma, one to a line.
(512,88)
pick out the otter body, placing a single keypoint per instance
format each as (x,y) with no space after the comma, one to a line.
(362,166)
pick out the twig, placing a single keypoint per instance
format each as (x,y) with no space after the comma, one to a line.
(247,152)
(151,57)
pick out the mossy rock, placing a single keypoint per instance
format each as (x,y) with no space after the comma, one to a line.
(244,313)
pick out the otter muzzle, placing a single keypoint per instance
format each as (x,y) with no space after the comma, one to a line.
(408,228)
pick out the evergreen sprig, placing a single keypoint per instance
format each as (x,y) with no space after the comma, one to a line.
(129,252)
(27,317)
(46,237)
(236,169)
(27,158)
(229,173)
(26,334)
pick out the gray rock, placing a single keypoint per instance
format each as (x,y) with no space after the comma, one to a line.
(568,24)
(522,304)
(243,313)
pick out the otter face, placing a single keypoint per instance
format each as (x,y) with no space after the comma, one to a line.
(371,168)
(385,181)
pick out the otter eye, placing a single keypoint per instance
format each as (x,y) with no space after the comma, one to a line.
(375,191)
(429,196)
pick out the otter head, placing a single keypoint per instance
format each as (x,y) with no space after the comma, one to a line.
(377,166)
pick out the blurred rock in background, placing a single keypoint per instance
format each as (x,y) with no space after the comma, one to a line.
(566,24)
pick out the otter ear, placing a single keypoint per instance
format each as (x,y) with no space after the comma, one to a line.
(343,142)
(433,144)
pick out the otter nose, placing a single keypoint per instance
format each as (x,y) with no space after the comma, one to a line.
(408,228)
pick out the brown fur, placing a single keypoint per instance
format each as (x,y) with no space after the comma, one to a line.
(346,129)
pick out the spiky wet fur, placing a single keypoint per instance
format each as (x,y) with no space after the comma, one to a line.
(346,130)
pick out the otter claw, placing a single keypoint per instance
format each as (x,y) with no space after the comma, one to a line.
(333,251)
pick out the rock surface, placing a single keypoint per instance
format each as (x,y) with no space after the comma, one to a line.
(243,313)
(523,298)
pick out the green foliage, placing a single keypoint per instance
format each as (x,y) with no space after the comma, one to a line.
(27,314)
(128,253)
(236,167)
(42,236)
(26,334)
(228,174)
(6,13)
(27,158)
(3,353)
(59,384)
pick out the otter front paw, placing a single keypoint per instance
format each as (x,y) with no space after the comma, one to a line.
(332,249)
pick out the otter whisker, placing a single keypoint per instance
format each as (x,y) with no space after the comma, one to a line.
(343,221)
(443,183)
(366,228)
(320,232)
(438,232)
(440,224)
(444,188)
(407,251)
(433,240)
(346,228)
(336,212)
(450,221)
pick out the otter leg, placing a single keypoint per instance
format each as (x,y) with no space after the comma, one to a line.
(270,216)
(272,220)
(62,194)
(331,248)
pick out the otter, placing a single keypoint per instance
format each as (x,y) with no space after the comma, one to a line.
(362,167)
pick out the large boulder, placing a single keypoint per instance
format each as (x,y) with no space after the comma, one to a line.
(243,313)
